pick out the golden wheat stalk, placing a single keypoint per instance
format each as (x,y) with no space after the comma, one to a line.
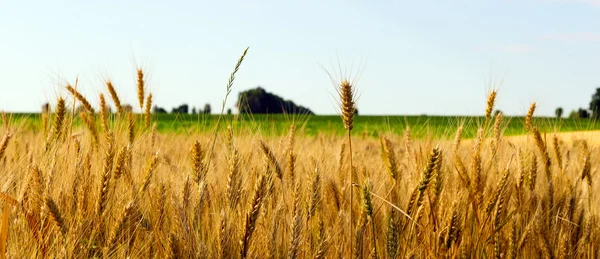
(390,157)
(368,205)
(533,168)
(491,100)
(130,127)
(229,88)
(55,214)
(557,152)
(196,158)
(140,87)
(148,113)
(346,93)
(252,216)
(392,237)
(529,117)
(586,169)
(105,176)
(347,104)
(541,145)
(290,155)
(234,182)
(121,225)
(476,178)
(114,96)
(4,144)
(272,159)
(500,187)
(150,168)
(103,113)
(322,242)
(497,134)
(427,175)
(90,123)
(314,202)
(5,120)
(82,99)
(119,166)
(296,225)
(357,249)
(453,227)
(59,118)
(58,127)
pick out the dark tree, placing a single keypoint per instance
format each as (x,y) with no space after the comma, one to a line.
(194,110)
(181,109)
(583,114)
(157,109)
(595,104)
(559,112)
(229,111)
(207,108)
(258,100)
(579,114)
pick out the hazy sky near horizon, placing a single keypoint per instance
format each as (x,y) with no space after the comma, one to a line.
(414,57)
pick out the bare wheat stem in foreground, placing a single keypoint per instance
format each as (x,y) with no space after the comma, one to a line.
(228,88)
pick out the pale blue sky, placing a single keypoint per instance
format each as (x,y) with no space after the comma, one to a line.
(422,57)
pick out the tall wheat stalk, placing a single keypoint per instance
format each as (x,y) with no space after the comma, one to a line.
(229,88)
(347,108)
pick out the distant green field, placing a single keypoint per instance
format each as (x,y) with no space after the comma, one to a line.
(436,126)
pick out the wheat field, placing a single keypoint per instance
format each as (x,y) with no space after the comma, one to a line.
(117,188)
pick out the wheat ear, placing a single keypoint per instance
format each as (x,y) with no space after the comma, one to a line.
(140,87)
(82,99)
(114,96)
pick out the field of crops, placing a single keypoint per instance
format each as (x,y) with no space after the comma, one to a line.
(91,184)
(371,126)
(113,186)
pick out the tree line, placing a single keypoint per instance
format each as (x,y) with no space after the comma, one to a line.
(259,101)
(580,113)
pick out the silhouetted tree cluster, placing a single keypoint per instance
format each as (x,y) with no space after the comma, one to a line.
(181,109)
(593,112)
(157,109)
(580,114)
(258,100)
(583,114)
